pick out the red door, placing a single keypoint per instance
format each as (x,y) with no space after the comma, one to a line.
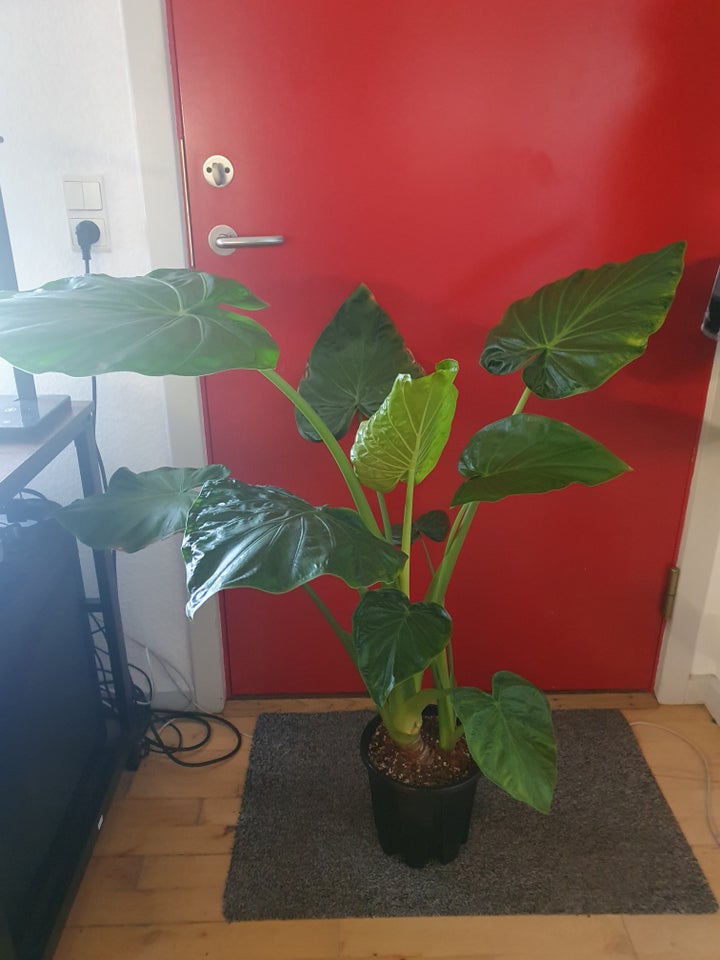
(455,156)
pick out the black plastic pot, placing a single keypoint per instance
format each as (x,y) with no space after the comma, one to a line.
(418,823)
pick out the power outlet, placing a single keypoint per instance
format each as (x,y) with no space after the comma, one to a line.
(104,241)
(85,200)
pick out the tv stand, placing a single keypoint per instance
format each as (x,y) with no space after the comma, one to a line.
(111,743)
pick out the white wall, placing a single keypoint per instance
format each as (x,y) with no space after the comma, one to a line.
(69,108)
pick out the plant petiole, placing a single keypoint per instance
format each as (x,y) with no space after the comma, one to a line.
(336,451)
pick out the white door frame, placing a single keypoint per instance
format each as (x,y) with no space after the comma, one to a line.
(151,84)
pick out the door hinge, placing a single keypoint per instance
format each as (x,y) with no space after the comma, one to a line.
(668,603)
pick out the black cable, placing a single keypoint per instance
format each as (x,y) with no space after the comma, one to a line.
(28,491)
(98,455)
(157,745)
(154,721)
(87,233)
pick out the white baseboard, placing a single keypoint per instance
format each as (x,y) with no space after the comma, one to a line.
(705,688)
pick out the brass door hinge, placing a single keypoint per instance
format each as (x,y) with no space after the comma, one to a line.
(668,603)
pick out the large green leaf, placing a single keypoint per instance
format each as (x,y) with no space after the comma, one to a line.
(531,454)
(395,639)
(171,321)
(240,535)
(574,334)
(510,736)
(409,431)
(353,365)
(138,508)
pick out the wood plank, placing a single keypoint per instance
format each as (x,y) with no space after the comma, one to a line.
(220,810)
(140,839)
(670,756)
(603,701)
(204,873)
(444,937)
(686,798)
(130,817)
(675,938)
(269,940)
(709,859)
(251,707)
(159,777)
(141,907)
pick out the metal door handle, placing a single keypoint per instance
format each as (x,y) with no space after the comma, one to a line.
(223,240)
(231,243)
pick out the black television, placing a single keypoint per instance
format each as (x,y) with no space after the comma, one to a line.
(54,728)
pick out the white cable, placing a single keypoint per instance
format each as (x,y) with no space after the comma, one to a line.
(709,816)
(149,652)
(188,692)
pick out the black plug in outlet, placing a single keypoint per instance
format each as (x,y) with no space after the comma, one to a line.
(87,234)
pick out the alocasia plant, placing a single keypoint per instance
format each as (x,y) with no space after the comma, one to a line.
(568,338)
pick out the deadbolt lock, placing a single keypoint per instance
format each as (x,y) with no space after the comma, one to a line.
(218,171)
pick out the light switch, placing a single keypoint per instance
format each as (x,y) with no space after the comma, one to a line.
(74,195)
(92,195)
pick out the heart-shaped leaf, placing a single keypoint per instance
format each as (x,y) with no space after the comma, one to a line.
(240,535)
(435,525)
(574,334)
(531,454)
(406,436)
(395,639)
(353,365)
(169,322)
(510,736)
(138,508)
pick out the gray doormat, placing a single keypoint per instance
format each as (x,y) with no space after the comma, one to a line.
(305,844)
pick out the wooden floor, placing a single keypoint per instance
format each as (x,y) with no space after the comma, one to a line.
(153,890)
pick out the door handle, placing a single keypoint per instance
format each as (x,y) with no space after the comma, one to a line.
(223,240)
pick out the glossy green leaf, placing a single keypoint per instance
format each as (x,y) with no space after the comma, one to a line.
(353,365)
(138,508)
(510,736)
(572,335)
(240,535)
(169,322)
(435,525)
(531,454)
(409,431)
(395,639)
